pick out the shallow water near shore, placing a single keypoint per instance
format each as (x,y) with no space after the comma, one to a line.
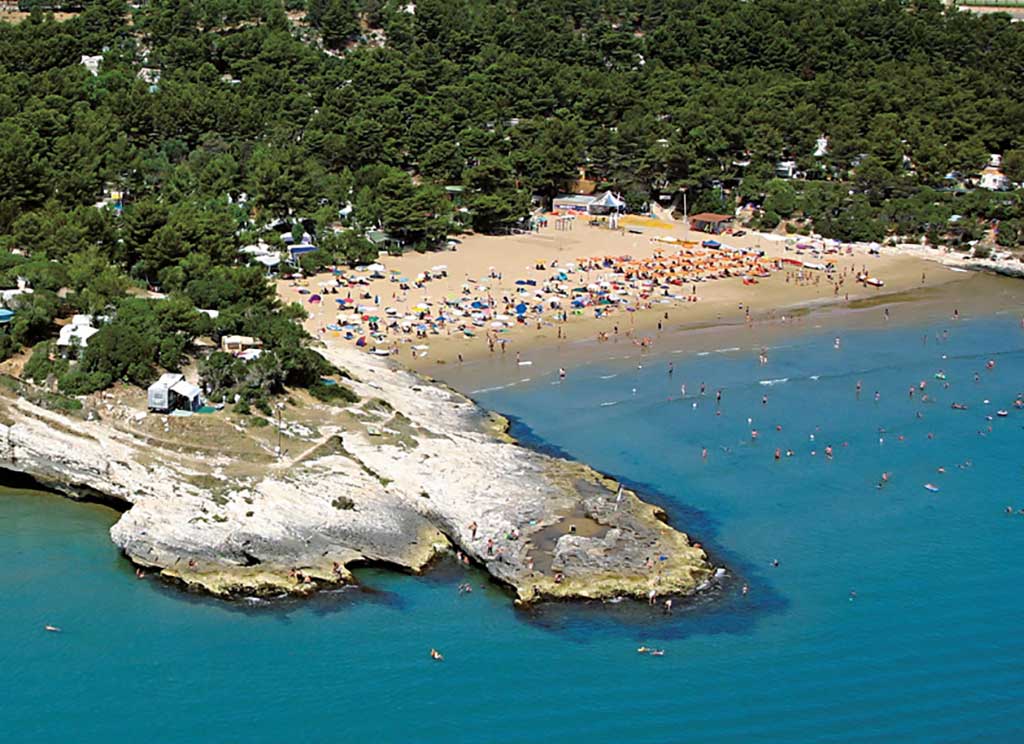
(928,649)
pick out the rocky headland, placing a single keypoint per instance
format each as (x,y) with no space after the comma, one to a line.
(411,470)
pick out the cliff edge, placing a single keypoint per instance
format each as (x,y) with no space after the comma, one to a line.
(412,470)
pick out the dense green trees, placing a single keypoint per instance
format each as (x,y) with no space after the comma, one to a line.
(217,118)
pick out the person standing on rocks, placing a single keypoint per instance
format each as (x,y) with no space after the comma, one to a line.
(472,528)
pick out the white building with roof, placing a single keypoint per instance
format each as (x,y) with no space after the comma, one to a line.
(172,392)
(76,333)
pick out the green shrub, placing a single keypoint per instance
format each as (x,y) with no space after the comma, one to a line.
(333,393)
(77,381)
(40,366)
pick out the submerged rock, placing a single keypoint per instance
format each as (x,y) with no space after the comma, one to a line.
(224,515)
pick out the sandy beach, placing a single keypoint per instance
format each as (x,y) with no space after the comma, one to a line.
(473,267)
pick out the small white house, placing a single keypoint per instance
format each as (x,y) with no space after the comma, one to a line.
(172,392)
(821,146)
(993,179)
(786,169)
(92,63)
(77,332)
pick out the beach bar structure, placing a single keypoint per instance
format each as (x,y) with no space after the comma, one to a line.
(711,223)
(572,203)
(172,392)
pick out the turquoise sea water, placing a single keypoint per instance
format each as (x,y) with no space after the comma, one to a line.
(929,650)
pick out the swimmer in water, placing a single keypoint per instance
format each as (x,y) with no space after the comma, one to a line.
(858,389)
(561,373)
(836,344)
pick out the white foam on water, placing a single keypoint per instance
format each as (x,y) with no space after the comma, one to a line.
(608,377)
(525,364)
(610,403)
(724,351)
(778,381)
(491,389)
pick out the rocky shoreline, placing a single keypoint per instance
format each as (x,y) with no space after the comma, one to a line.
(412,471)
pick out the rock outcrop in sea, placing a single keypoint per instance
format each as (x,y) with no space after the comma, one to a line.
(412,470)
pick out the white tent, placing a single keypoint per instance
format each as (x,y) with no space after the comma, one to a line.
(607,202)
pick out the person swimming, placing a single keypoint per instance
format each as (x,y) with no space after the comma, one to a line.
(436,655)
